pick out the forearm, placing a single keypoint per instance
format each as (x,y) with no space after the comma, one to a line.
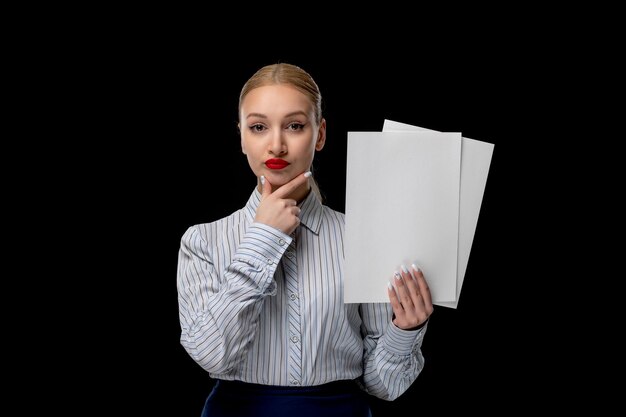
(393,362)
(219,310)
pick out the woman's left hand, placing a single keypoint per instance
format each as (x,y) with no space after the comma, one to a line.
(410,298)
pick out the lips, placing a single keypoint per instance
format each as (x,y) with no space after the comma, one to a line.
(276,163)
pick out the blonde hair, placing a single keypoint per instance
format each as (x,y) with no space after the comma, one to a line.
(288,74)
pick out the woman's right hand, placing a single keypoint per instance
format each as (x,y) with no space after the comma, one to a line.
(276,209)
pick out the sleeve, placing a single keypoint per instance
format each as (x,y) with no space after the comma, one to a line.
(219,310)
(392,357)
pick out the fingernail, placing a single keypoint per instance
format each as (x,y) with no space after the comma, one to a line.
(406,271)
(389,285)
(397,275)
(307,174)
(415,267)
(262,180)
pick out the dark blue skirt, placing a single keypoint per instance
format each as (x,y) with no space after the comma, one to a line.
(240,399)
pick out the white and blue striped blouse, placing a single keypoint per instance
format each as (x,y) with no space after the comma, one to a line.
(264,307)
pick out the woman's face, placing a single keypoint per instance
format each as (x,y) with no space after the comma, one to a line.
(278,132)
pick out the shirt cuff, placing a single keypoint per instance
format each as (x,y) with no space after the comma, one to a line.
(263,246)
(401,342)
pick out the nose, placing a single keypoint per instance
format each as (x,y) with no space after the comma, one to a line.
(277,145)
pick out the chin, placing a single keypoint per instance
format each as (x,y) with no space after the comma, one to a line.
(280,175)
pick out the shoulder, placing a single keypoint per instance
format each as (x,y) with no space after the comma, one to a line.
(209,232)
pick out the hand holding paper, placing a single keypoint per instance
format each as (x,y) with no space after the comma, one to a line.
(410,298)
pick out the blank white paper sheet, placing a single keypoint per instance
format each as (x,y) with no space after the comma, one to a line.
(402,206)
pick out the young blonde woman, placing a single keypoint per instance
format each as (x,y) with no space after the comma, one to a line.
(260,291)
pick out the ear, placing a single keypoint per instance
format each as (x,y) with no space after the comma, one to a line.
(321,136)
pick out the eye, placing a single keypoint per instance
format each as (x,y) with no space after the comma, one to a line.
(295,126)
(257,127)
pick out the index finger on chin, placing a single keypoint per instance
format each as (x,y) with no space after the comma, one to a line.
(289,187)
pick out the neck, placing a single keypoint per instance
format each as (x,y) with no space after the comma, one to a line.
(300,193)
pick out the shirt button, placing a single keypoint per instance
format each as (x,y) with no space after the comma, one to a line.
(294,382)
(290,255)
(293,296)
(281,241)
(269,261)
(294,339)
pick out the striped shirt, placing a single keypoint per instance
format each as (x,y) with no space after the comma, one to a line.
(264,307)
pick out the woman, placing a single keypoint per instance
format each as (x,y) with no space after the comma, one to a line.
(260,291)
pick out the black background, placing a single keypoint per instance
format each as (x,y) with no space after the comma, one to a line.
(162,153)
(121,133)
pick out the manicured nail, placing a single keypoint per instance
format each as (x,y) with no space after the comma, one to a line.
(262,180)
(397,275)
(307,174)
(406,271)
(416,268)
(389,286)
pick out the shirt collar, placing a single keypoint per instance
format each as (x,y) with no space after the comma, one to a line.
(310,210)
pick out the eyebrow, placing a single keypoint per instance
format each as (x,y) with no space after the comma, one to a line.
(295,113)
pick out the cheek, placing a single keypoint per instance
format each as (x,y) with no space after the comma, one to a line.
(312,147)
(252,153)
(253,164)
(247,146)
(305,154)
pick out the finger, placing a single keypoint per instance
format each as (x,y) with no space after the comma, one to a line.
(403,293)
(292,207)
(289,187)
(288,203)
(395,302)
(410,283)
(424,289)
(266,187)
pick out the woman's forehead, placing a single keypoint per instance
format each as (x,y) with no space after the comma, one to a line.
(275,100)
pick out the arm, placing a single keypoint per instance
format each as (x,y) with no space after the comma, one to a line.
(219,310)
(393,335)
(392,357)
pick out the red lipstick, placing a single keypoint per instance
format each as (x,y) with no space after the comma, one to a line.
(276,163)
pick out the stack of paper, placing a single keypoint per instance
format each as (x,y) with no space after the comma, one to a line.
(413,195)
